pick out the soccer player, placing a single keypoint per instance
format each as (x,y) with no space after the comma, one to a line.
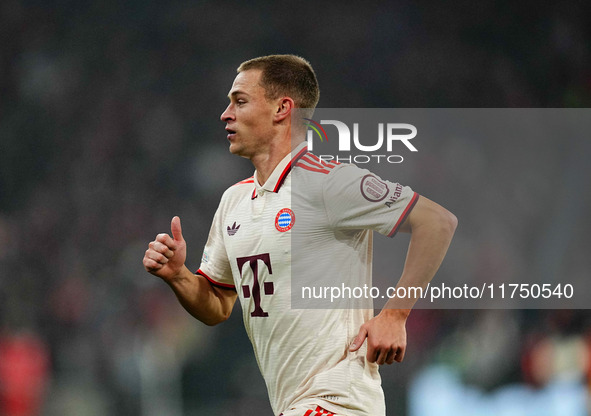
(314,362)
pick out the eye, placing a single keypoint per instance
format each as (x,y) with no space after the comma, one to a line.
(240,102)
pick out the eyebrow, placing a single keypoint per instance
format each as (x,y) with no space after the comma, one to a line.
(235,93)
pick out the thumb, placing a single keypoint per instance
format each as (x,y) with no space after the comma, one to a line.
(359,339)
(175,227)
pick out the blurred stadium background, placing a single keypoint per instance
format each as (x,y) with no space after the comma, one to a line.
(109,126)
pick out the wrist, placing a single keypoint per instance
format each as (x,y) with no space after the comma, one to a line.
(398,314)
(183,274)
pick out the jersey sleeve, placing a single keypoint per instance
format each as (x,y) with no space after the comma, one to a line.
(215,266)
(355,198)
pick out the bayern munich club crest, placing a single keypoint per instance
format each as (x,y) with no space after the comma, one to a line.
(284,220)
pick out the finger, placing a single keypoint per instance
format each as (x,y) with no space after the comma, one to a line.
(391,357)
(164,239)
(161,248)
(382,356)
(372,354)
(167,241)
(157,257)
(151,265)
(177,231)
(358,341)
(400,354)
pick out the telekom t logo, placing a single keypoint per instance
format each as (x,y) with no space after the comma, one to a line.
(402,132)
(256,288)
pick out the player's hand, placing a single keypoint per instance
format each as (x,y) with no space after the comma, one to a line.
(165,256)
(386,337)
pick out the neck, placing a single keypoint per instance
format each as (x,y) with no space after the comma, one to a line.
(267,162)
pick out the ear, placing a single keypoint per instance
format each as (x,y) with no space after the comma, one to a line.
(284,107)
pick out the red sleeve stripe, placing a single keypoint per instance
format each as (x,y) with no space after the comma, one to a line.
(315,161)
(312,169)
(213,282)
(326,164)
(312,162)
(313,156)
(407,210)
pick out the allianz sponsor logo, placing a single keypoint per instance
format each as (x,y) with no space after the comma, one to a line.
(390,136)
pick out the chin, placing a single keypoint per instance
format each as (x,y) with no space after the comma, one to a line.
(238,151)
(234,148)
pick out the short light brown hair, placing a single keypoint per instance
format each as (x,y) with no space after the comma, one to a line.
(286,75)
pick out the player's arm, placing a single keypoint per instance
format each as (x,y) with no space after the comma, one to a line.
(165,258)
(432,228)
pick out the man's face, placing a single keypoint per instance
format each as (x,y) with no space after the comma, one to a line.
(249,116)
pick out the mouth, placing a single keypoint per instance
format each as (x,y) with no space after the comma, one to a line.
(231,133)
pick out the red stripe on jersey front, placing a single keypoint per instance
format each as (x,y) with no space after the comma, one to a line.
(407,210)
(308,413)
(310,168)
(213,282)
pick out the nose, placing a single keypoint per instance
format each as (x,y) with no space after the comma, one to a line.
(228,113)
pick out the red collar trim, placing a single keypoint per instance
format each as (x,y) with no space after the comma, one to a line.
(285,172)
(287,169)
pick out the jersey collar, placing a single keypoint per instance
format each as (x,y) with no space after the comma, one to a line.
(280,172)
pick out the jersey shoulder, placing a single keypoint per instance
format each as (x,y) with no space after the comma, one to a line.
(239,190)
(310,164)
(244,181)
(315,169)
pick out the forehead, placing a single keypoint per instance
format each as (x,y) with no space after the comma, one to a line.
(247,82)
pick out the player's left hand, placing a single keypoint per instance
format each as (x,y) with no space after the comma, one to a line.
(386,337)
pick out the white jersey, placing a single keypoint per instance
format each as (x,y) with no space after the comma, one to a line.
(303,354)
